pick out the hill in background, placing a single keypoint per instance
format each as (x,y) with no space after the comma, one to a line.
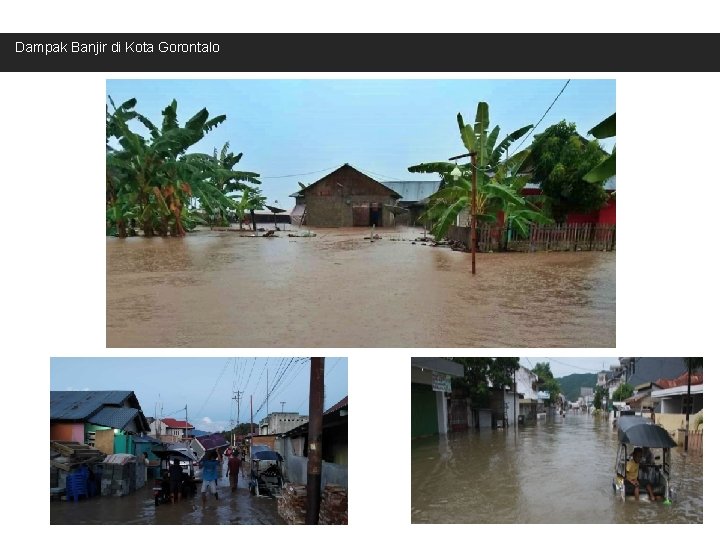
(571,384)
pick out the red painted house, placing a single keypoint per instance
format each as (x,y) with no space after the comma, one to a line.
(606,215)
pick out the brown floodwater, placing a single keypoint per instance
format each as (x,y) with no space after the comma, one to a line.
(558,471)
(138,508)
(220,289)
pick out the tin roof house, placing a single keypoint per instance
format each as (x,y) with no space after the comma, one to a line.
(106,419)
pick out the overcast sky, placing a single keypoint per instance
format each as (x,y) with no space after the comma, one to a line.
(303,129)
(206,385)
(567,366)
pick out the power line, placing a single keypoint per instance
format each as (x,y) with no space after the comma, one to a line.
(273,388)
(585,369)
(199,413)
(299,363)
(380,174)
(298,174)
(260,377)
(545,114)
(337,361)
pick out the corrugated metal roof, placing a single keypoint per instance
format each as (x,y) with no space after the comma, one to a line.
(114,417)
(80,405)
(339,405)
(413,190)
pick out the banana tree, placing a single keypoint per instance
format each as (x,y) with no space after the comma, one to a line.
(498,187)
(151,179)
(250,201)
(218,181)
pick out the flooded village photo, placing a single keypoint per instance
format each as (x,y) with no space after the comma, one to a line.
(316,213)
(146,441)
(506,440)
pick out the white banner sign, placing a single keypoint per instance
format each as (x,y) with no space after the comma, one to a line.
(441,382)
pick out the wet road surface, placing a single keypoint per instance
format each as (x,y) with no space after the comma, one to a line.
(138,508)
(218,289)
(559,471)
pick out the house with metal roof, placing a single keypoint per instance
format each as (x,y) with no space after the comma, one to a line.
(414,195)
(106,419)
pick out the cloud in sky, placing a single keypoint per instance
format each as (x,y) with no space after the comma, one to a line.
(207,424)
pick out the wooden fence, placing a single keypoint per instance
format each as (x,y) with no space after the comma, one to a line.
(557,237)
(695,439)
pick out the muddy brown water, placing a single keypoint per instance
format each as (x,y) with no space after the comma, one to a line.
(138,508)
(219,289)
(558,471)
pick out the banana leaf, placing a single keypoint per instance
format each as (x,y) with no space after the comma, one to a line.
(604,170)
(604,129)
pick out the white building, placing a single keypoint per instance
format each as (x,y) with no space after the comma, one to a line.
(169,429)
(672,399)
(280,422)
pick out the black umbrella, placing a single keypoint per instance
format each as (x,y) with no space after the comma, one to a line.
(642,434)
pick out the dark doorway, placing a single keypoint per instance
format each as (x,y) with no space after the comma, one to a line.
(375,214)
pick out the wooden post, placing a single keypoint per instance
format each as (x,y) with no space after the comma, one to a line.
(314,466)
(473,210)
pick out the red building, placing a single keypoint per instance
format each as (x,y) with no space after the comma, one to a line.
(606,215)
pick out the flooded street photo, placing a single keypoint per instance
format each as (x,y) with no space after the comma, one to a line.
(558,471)
(338,289)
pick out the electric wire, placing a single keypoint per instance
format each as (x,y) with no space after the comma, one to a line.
(545,113)
(298,174)
(199,413)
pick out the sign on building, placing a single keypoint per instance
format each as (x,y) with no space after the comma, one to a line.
(441,382)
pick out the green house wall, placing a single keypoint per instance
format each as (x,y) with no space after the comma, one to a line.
(122,443)
(423,410)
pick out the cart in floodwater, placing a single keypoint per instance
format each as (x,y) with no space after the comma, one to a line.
(654,471)
(266,475)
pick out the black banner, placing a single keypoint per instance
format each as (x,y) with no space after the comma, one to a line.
(359,52)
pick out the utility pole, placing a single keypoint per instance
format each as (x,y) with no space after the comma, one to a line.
(236,397)
(282,406)
(186,423)
(473,211)
(314,466)
(473,201)
(514,398)
(267,396)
